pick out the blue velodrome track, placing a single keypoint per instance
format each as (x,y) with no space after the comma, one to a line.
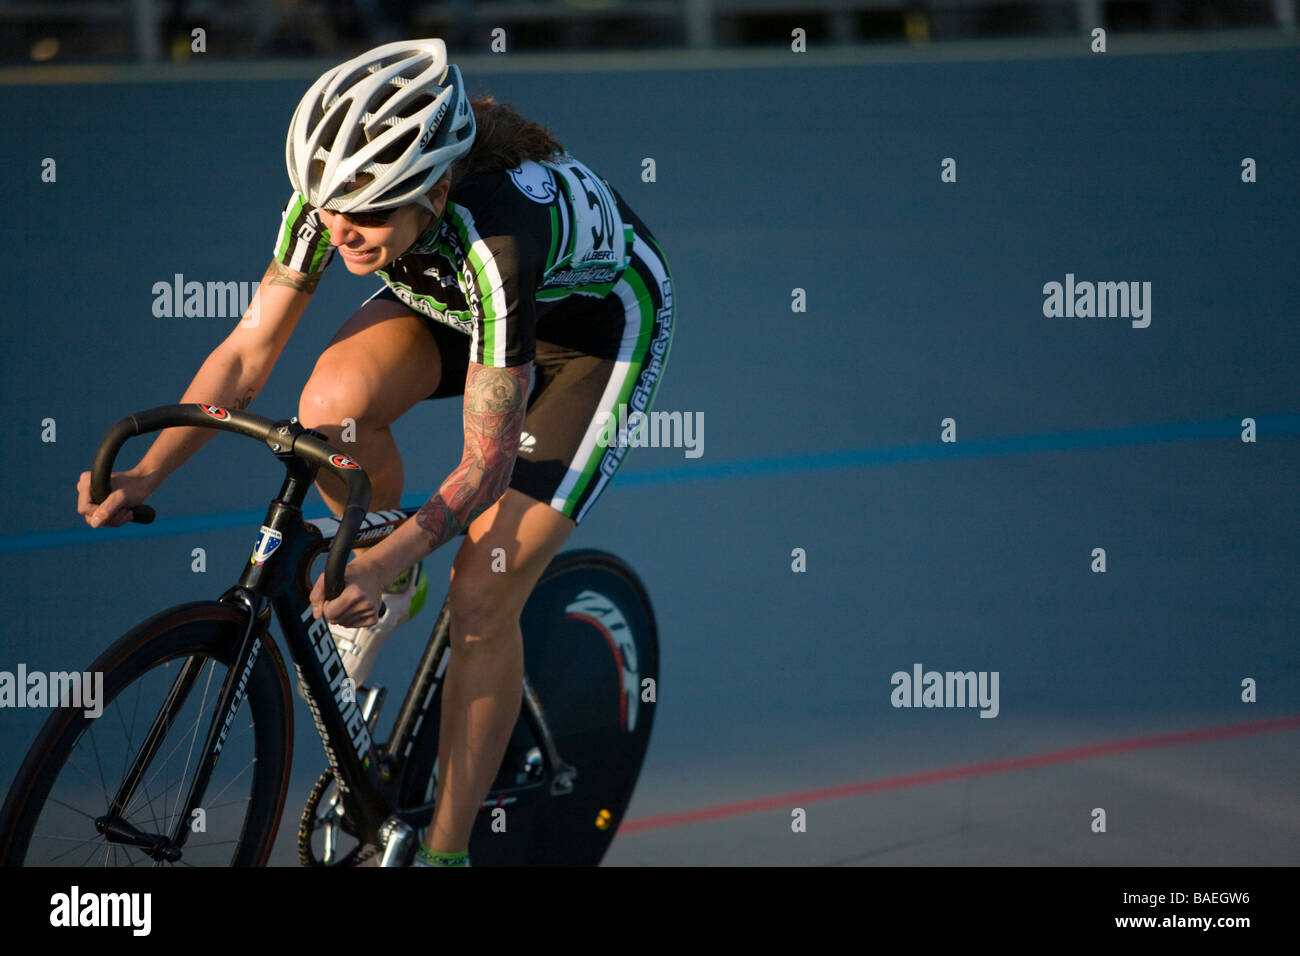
(924,302)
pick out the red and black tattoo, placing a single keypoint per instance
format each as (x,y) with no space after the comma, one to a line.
(495,403)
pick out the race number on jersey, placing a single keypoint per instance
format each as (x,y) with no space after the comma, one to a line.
(597,229)
(589,240)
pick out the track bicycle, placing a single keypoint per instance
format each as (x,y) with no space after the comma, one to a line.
(189,761)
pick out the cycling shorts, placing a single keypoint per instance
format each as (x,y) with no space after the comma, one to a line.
(592,356)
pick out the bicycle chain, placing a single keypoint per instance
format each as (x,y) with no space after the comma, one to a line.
(305,856)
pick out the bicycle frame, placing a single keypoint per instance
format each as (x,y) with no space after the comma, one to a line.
(375,781)
(277,578)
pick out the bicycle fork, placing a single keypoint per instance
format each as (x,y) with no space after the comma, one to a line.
(167,848)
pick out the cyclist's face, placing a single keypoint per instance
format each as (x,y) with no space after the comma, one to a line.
(365,245)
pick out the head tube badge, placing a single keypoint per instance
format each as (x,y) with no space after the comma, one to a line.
(267,541)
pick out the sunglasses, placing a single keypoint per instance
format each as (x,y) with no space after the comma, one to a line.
(378,217)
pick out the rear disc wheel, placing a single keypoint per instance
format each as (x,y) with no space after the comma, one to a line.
(591,654)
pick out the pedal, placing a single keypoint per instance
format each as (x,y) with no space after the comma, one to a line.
(398,839)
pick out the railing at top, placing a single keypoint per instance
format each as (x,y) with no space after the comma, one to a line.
(699,24)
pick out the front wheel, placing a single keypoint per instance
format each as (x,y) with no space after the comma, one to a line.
(75,769)
(591,654)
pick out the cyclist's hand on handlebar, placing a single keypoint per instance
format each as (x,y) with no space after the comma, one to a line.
(128,491)
(358,604)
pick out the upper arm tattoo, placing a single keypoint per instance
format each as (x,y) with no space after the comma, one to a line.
(280,274)
(495,403)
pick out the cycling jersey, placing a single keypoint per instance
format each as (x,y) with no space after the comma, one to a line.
(546,264)
(508,247)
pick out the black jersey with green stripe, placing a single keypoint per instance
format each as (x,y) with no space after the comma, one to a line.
(508,247)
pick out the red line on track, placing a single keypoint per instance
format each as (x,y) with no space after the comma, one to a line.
(943,774)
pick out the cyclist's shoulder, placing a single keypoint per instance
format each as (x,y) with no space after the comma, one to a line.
(492,204)
(533,182)
(495,192)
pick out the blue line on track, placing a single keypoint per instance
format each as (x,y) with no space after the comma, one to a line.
(1225,428)
(967,448)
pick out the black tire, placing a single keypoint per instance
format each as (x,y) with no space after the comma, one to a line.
(598,729)
(205,629)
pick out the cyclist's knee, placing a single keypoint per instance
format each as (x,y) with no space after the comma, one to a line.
(482,600)
(331,395)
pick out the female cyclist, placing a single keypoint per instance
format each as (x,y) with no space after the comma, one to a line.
(514,276)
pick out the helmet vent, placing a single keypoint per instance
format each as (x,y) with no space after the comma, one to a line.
(417,102)
(394,150)
(331,124)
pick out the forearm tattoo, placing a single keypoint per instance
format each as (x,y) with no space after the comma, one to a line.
(495,403)
(280,274)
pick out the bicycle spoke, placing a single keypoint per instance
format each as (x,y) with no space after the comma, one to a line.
(143,802)
(90,731)
(228,803)
(142,792)
(77,840)
(206,687)
(72,808)
(130,733)
(165,767)
(93,850)
(146,808)
(91,841)
(164,764)
(93,783)
(243,770)
(221,792)
(166,760)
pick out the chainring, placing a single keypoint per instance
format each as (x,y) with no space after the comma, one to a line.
(310,822)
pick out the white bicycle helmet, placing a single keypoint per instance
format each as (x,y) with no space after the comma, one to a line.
(398,112)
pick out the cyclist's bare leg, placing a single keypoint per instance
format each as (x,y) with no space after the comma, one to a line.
(379,364)
(482,690)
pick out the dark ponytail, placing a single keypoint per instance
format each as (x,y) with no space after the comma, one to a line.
(503,139)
